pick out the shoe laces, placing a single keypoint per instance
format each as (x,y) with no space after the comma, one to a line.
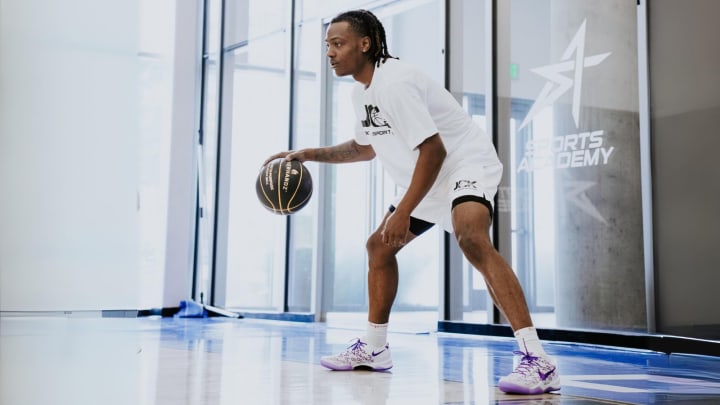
(527,362)
(355,350)
(358,345)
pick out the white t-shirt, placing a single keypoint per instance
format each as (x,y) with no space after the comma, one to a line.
(401,108)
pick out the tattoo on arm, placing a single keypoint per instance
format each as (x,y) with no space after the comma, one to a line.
(341,153)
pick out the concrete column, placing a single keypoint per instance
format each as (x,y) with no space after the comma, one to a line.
(600,282)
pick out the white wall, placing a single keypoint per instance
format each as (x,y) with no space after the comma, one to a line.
(685,103)
(85,113)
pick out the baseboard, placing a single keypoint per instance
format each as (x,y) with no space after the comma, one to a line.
(277,316)
(112,313)
(655,342)
(163,312)
(280,316)
(709,332)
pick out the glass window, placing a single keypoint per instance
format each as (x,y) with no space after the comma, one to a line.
(254,125)
(362,192)
(207,151)
(307,132)
(569,138)
(469,67)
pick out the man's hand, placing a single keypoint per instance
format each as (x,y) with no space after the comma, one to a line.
(395,231)
(302,155)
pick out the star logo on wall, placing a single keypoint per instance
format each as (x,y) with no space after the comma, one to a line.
(575,192)
(574,61)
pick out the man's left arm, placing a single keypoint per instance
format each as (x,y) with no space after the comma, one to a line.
(430,159)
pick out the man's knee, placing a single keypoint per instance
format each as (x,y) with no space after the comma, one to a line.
(377,250)
(475,241)
(375,245)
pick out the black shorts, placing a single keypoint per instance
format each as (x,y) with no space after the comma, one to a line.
(419,226)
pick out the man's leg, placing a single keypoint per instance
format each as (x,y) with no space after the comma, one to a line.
(382,275)
(471,223)
(372,350)
(536,373)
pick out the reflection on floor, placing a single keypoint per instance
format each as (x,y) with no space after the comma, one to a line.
(46,360)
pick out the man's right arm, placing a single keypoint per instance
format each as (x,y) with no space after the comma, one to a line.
(346,152)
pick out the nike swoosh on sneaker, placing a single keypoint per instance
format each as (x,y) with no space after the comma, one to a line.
(544,376)
(375,354)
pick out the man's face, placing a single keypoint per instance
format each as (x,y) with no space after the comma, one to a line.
(345,49)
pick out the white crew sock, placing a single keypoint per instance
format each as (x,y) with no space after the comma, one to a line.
(529,342)
(376,334)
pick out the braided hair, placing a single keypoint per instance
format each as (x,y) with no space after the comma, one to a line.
(365,24)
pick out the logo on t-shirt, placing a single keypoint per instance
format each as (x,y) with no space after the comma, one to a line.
(465,185)
(374,119)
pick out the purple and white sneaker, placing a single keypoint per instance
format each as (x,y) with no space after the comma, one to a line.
(534,375)
(360,354)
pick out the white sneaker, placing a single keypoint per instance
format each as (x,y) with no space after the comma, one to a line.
(360,354)
(534,375)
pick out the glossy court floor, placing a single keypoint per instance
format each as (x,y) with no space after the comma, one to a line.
(102,361)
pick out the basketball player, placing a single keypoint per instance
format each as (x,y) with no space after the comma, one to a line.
(450,170)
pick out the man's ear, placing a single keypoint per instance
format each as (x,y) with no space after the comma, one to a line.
(365,44)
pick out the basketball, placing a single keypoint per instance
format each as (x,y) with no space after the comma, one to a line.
(284,187)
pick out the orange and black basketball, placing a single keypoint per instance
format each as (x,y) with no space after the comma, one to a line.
(283,186)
